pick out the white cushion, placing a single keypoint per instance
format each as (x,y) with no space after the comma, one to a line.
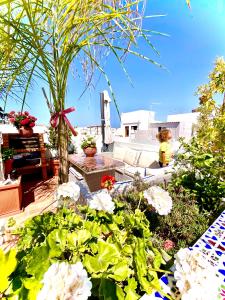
(131,157)
(130,171)
(158,171)
(146,159)
(119,152)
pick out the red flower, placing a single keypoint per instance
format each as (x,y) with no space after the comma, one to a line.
(12,120)
(12,112)
(32,124)
(26,113)
(107,182)
(168,245)
(25,121)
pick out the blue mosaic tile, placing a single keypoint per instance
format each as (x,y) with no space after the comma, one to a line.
(165,279)
(212,245)
(222,272)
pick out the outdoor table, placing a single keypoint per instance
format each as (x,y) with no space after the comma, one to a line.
(93,168)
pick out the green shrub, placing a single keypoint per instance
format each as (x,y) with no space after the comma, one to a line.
(184,225)
(202,174)
(115,249)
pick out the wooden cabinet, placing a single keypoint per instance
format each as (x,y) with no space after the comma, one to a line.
(11,198)
(26,146)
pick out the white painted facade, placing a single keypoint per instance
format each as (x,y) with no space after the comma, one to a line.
(186,117)
(136,120)
(141,125)
(188,122)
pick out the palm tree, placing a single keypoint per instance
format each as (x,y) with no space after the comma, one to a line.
(47,36)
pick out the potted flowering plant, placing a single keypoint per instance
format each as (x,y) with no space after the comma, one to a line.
(7,157)
(89,146)
(23,121)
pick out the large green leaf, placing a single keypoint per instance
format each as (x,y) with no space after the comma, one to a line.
(120,271)
(56,241)
(107,255)
(33,286)
(130,290)
(8,263)
(108,290)
(38,261)
(141,265)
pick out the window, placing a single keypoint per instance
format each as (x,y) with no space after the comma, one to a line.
(134,128)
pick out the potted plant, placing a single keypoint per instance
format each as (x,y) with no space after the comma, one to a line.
(7,157)
(89,146)
(52,147)
(23,121)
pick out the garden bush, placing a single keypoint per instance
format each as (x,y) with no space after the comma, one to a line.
(200,167)
(181,227)
(115,250)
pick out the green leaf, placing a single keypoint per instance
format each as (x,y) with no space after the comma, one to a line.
(33,285)
(57,242)
(141,265)
(120,271)
(107,255)
(78,237)
(130,290)
(8,263)
(38,261)
(108,290)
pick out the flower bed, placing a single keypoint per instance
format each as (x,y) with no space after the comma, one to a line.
(104,249)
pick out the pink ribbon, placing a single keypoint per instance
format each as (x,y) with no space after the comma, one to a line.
(54,121)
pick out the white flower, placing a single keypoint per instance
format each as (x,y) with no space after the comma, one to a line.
(195,275)
(159,199)
(65,282)
(67,191)
(102,201)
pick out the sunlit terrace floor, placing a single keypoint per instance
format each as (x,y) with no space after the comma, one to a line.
(37,196)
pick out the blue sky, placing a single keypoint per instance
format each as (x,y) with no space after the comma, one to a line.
(196,38)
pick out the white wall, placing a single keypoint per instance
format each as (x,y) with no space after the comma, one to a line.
(187,117)
(187,122)
(140,118)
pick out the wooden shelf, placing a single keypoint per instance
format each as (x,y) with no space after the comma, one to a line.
(28,167)
(24,145)
(29,150)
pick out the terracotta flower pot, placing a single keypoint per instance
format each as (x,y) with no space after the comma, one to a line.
(8,166)
(89,151)
(26,131)
(54,165)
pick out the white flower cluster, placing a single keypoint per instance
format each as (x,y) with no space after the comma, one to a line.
(102,201)
(196,278)
(65,282)
(67,192)
(159,199)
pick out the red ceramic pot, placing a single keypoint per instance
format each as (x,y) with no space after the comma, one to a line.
(54,165)
(89,151)
(8,166)
(26,131)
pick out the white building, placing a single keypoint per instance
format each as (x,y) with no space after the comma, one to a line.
(188,122)
(141,127)
(136,120)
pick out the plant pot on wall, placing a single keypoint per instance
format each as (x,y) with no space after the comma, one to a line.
(54,166)
(90,151)
(8,166)
(26,131)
